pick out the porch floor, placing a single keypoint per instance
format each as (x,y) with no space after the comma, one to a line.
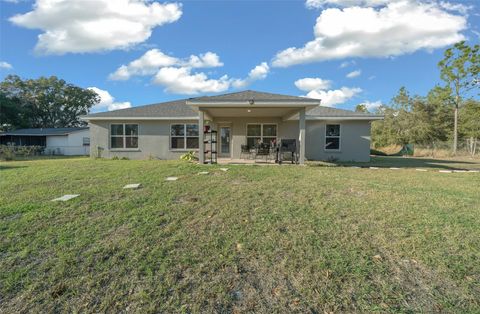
(259,161)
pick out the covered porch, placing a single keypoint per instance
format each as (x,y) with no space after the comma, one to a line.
(244,126)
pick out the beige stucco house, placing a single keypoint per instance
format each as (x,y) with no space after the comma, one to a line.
(168,130)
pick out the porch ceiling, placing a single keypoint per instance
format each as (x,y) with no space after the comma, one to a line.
(279,112)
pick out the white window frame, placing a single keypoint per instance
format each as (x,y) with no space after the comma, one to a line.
(330,136)
(124,136)
(261,131)
(184,136)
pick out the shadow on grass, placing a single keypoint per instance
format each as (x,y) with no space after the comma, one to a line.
(4,167)
(416,162)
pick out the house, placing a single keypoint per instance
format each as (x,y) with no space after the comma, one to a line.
(57,141)
(167,130)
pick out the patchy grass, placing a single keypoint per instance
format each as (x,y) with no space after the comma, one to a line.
(254,238)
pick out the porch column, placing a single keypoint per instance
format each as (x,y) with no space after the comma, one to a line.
(301,136)
(201,146)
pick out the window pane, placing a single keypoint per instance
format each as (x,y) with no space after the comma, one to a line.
(131,142)
(192,129)
(254,130)
(178,130)
(117,142)
(333,130)
(116,129)
(178,142)
(269,130)
(252,141)
(192,142)
(332,143)
(131,129)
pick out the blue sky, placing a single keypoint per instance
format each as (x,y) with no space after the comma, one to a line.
(241,36)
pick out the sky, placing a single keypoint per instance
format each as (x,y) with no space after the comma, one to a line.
(137,52)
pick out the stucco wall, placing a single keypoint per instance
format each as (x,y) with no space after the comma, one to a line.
(154,138)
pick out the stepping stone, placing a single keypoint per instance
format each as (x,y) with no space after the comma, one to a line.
(474,171)
(224,169)
(421,170)
(393,168)
(356,167)
(171,179)
(65,198)
(375,168)
(445,171)
(133,186)
(460,171)
(203,172)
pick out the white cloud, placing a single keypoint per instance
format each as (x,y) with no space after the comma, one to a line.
(309,83)
(107,101)
(315,4)
(183,81)
(346,64)
(331,98)
(456,7)
(71,26)
(5,65)
(153,60)
(372,105)
(354,74)
(399,27)
(259,72)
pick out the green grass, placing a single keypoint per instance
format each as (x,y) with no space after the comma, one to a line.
(256,238)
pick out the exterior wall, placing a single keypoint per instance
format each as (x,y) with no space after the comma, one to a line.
(154,138)
(354,141)
(71,144)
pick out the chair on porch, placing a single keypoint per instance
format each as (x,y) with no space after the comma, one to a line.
(263,150)
(245,151)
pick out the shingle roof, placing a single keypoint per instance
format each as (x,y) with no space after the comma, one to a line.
(254,95)
(44,131)
(180,109)
(323,111)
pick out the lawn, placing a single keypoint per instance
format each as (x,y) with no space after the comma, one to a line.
(255,238)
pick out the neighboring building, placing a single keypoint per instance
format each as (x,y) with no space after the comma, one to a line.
(167,130)
(57,141)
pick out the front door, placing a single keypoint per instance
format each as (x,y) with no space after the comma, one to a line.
(225,142)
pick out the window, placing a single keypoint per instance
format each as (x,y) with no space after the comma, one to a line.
(184,136)
(332,137)
(124,136)
(265,133)
(86,141)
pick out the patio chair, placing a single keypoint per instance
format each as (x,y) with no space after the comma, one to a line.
(263,150)
(245,150)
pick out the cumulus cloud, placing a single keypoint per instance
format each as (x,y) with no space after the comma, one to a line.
(316,4)
(354,74)
(71,26)
(372,105)
(259,72)
(5,65)
(398,27)
(107,101)
(318,88)
(309,83)
(331,98)
(183,81)
(346,64)
(153,60)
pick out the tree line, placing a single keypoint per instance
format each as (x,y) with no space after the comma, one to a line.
(447,113)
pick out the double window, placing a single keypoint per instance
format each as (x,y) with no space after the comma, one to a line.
(184,136)
(261,133)
(332,137)
(123,136)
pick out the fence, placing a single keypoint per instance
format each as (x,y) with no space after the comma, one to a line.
(465,148)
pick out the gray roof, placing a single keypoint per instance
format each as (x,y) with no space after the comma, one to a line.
(179,108)
(43,131)
(335,112)
(255,96)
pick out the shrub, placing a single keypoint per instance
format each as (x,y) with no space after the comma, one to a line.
(115,158)
(125,158)
(190,156)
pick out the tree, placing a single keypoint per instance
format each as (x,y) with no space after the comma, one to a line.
(12,114)
(361,108)
(470,123)
(50,102)
(460,70)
